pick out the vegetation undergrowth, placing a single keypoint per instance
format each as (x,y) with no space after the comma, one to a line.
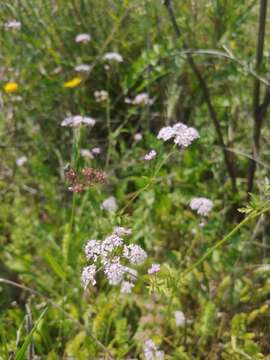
(134,180)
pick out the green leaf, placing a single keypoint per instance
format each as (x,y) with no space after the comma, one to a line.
(57,268)
(20,355)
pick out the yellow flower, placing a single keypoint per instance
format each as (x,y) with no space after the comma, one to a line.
(10,87)
(73,82)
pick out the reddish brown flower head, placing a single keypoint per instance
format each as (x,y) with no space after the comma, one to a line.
(101,177)
(77,188)
(94,176)
(70,175)
(89,174)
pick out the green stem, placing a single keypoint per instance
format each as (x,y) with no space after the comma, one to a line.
(152,179)
(222,241)
(109,128)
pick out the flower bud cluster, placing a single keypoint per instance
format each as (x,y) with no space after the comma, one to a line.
(78,181)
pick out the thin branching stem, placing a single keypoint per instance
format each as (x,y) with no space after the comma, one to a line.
(207,98)
(259,110)
(209,252)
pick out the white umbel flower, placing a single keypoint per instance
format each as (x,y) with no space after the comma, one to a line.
(138,137)
(83,68)
(113,56)
(151,352)
(77,120)
(182,134)
(13,25)
(88,276)
(126,287)
(110,243)
(202,205)
(154,269)
(180,318)
(96,150)
(166,133)
(92,249)
(87,154)
(135,254)
(82,38)
(142,99)
(150,156)
(114,271)
(122,231)
(101,95)
(21,161)
(110,204)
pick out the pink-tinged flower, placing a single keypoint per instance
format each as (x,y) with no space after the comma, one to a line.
(202,205)
(96,150)
(135,254)
(83,68)
(92,250)
(110,204)
(151,351)
(110,243)
(138,137)
(88,276)
(150,156)
(126,287)
(180,318)
(13,25)
(77,120)
(21,161)
(82,38)
(122,231)
(166,133)
(184,135)
(114,271)
(181,133)
(142,99)
(154,269)
(101,95)
(113,56)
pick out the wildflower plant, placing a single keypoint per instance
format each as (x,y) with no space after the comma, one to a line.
(190,280)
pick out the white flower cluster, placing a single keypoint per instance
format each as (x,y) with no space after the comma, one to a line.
(135,254)
(151,351)
(88,276)
(110,204)
(150,156)
(77,120)
(90,154)
(113,56)
(82,38)
(13,24)
(138,137)
(21,160)
(84,68)
(101,95)
(202,205)
(142,99)
(154,269)
(112,256)
(180,318)
(181,133)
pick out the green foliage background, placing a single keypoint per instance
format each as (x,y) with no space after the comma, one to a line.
(44,227)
